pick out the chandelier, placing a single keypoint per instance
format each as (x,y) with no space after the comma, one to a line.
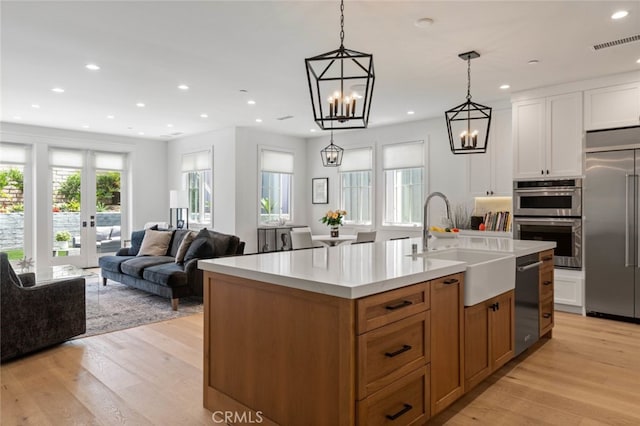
(468,124)
(341,86)
(331,154)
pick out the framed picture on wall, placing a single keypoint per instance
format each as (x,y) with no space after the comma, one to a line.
(320,190)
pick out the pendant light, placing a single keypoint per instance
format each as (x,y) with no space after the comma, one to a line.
(341,86)
(468,124)
(331,154)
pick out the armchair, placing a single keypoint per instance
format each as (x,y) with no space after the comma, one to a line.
(34,317)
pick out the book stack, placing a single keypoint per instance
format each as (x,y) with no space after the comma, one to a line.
(497,221)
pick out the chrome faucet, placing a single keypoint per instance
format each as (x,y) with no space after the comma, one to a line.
(425,226)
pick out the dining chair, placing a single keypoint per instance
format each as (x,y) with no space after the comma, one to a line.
(365,237)
(301,239)
(301,229)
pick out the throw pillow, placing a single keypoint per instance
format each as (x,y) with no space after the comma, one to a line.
(184,246)
(155,243)
(136,242)
(201,248)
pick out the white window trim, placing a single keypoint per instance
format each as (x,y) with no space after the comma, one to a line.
(362,226)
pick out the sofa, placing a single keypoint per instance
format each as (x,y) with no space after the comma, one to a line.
(33,316)
(107,239)
(172,273)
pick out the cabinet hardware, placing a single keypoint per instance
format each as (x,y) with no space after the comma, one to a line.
(493,307)
(546,315)
(404,348)
(450,281)
(541,172)
(487,192)
(399,305)
(498,306)
(529,266)
(84,223)
(547,171)
(547,282)
(406,408)
(92,223)
(491,192)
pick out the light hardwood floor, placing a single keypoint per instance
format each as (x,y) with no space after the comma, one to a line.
(588,374)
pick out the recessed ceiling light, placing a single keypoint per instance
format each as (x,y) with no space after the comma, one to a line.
(638,61)
(85,126)
(140,105)
(505,86)
(204,115)
(619,14)
(92,67)
(169,125)
(312,130)
(111,117)
(36,106)
(423,22)
(251,102)
(258,120)
(533,62)
(58,90)
(17,117)
(141,133)
(183,87)
(411,112)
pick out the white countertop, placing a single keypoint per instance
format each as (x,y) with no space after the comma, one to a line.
(364,269)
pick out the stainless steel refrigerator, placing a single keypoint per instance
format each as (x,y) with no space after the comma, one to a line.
(612,228)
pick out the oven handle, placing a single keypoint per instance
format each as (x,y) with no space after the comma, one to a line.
(545,220)
(542,191)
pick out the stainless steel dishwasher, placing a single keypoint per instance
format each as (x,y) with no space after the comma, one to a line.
(527,301)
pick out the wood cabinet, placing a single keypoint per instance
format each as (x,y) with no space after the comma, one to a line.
(491,173)
(447,341)
(489,337)
(547,136)
(610,107)
(546,284)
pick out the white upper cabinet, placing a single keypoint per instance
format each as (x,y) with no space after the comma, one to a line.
(547,137)
(610,107)
(491,173)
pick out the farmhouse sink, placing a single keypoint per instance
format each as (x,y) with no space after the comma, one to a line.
(487,275)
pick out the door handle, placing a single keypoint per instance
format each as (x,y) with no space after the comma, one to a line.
(84,223)
(529,266)
(628,212)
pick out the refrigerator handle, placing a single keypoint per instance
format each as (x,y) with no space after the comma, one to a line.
(627,233)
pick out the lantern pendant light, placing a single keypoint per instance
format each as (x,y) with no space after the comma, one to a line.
(341,86)
(331,154)
(468,124)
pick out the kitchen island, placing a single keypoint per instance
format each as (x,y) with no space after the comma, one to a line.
(342,335)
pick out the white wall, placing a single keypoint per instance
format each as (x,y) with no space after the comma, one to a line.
(445,172)
(235,176)
(147,173)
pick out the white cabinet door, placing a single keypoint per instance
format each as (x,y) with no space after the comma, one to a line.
(611,107)
(529,138)
(564,135)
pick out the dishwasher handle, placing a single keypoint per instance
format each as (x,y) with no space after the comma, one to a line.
(529,266)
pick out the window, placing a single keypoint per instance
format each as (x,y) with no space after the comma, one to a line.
(276,180)
(403,166)
(356,189)
(13,164)
(197,179)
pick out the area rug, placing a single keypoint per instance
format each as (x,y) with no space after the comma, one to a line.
(117,306)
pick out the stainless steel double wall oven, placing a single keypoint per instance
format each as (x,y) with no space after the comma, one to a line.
(551,210)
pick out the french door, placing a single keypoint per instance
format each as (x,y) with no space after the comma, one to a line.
(87,189)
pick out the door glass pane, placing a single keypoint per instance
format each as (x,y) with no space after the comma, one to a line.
(12,211)
(108,212)
(66,211)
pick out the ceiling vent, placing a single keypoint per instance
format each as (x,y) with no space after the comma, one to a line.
(618,42)
(286,117)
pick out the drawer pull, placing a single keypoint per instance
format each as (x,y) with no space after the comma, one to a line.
(547,282)
(547,315)
(451,281)
(399,305)
(546,259)
(398,352)
(406,408)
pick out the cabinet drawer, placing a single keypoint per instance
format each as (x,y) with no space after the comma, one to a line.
(403,402)
(390,352)
(547,259)
(546,316)
(546,284)
(385,308)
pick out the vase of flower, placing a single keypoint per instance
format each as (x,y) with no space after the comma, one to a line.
(333,219)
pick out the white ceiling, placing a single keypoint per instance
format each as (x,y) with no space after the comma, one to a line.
(146,49)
